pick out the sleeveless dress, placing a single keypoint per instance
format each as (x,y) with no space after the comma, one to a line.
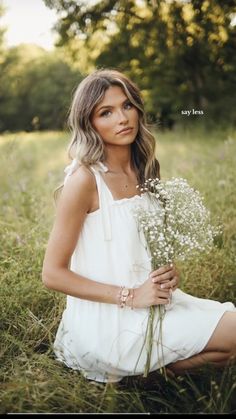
(103,341)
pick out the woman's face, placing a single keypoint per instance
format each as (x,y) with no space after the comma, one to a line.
(113,114)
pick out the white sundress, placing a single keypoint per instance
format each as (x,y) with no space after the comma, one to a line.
(103,341)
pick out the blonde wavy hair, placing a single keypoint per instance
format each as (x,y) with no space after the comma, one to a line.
(86,145)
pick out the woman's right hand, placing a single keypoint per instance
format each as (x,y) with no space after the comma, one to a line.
(153,292)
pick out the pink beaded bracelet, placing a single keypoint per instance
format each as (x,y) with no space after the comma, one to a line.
(124,294)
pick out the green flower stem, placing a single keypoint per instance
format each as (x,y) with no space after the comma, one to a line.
(149,340)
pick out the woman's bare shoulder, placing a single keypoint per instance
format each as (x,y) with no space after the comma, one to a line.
(84,175)
(79,188)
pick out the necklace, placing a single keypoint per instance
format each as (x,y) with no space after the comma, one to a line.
(128,186)
(125,186)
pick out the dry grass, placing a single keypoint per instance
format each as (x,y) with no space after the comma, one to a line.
(32,381)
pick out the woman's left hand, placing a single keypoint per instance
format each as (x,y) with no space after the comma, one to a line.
(167,276)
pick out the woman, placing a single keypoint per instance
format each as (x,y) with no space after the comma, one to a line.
(95,257)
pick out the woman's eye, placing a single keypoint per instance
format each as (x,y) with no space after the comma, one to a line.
(105,113)
(129,105)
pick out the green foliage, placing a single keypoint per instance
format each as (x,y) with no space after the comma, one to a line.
(180,53)
(32,381)
(35,89)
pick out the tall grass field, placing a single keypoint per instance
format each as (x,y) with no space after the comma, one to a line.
(32,381)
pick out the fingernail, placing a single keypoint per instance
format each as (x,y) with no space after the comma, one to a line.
(162,286)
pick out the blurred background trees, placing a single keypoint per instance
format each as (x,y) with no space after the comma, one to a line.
(35,89)
(181,53)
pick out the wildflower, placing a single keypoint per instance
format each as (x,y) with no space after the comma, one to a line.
(178,228)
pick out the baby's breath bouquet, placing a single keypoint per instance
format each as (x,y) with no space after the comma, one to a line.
(177,227)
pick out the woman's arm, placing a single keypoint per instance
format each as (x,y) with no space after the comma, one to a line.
(74,203)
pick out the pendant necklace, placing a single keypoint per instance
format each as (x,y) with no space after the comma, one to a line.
(111,171)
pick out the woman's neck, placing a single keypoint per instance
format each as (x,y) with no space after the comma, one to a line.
(119,161)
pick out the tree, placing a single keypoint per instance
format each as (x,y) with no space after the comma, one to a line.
(35,89)
(179,52)
(50,82)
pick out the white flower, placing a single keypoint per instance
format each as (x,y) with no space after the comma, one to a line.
(180,223)
(176,228)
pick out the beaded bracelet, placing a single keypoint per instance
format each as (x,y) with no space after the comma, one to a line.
(124,294)
(132,298)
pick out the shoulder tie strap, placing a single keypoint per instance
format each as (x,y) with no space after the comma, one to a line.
(70,169)
(103,204)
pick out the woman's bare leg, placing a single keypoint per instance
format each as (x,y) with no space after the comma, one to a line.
(219,351)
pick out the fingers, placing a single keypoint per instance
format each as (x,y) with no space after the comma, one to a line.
(175,286)
(161,270)
(166,299)
(162,277)
(162,301)
(172,284)
(167,276)
(162,296)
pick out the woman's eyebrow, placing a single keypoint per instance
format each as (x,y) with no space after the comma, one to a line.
(110,106)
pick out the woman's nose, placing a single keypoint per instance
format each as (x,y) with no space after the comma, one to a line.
(122,117)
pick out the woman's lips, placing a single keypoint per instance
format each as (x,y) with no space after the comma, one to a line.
(125,131)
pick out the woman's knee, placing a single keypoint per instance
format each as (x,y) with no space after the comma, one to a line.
(223,339)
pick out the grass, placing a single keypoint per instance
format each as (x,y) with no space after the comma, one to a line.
(32,381)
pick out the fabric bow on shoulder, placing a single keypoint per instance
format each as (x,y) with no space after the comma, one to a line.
(70,169)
